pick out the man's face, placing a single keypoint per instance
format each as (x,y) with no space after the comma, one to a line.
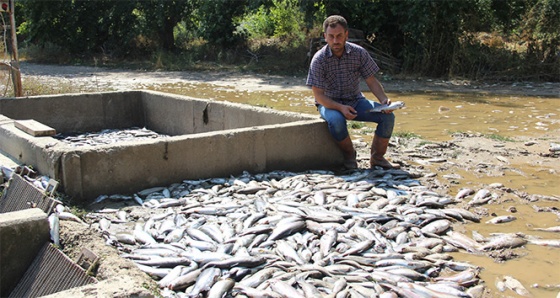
(336,39)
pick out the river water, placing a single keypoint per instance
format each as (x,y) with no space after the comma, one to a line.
(435,117)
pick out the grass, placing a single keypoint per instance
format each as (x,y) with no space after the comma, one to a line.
(356,124)
(497,137)
(33,87)
(406,135)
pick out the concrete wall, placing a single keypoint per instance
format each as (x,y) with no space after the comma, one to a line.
(179,115)
(208,139)
(22,234)
(130,167)
(70,113)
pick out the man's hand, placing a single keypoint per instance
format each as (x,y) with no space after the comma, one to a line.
(387,102)
(348,112)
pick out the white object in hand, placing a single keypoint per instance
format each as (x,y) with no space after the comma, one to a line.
(393,106)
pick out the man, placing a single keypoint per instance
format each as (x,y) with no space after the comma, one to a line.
(334,76)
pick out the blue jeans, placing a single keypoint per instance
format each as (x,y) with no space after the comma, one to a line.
(337,123)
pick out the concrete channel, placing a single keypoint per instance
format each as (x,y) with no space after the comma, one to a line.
(205,139)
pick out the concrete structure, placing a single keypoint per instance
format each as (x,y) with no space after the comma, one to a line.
(206,139)
(22,235)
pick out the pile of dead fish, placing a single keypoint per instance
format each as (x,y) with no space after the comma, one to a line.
(107,136)
(315,234)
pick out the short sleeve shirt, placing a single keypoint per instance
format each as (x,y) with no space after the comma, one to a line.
(340,77)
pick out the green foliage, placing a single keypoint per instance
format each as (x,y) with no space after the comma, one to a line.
(284,21)
(540,31)
(256,24)
(356,125)
(430,37)
(288,21)
(215,21)
(406,135)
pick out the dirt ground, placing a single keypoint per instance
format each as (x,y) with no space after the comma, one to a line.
(102,79)
(120,278)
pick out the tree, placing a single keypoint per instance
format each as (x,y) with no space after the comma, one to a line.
(81,27)
(161,17)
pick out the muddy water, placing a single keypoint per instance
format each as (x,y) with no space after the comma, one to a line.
(435,117)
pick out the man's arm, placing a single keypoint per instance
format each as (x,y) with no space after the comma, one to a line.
(377,89)
(348,111)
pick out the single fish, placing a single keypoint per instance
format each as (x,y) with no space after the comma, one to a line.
(554,147)
(464,193)
(54,225)
(184,281)
(285,289)
(204,282)
(555,229)
(502,219)
(221,288)
(393,106)
(546,242)
(516,286)
(504,241)
(242,261)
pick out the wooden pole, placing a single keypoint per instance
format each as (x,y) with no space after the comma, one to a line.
(16,74)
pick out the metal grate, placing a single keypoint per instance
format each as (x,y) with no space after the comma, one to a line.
(21,194)
(51,272)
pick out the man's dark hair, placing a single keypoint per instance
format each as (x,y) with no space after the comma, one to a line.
(333,21)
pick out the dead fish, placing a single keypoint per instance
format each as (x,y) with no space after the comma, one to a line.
(424,291)
(165,262)
(285,289)
(481,197)
(359,247)
(555,229)
(436,227)
(184,281)
(288,252)
(545,242)
(461,277)
(54,226)
(154,271)
(554,147)
(258,278)
(504,241)
(175,273)
(393,106)
(464,193)
(516,286)
(462,241)
(142,236)
(104,224)
(500,284)
(285,229)
(100,199)
(502,219)
(255,293)
(221,288)
(242,261)
(174,236)
(327,241)
(64,215)
(126,238)
(205,281)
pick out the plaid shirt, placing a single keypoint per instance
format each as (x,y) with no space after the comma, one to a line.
(340,77)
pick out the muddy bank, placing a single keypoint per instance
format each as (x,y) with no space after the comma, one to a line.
(103,79)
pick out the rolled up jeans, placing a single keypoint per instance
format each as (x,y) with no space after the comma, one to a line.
(337,123)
